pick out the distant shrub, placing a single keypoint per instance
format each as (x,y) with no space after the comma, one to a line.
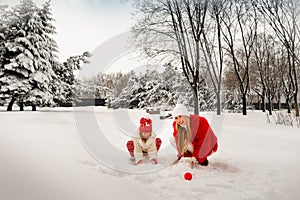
(284,118)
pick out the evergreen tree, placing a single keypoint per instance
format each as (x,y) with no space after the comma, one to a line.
(147,90)
(42,93)
(17,59)
(154,92)
(180,90)
(3,34)
(126,97)
(64,86)
(29,56)
(162,90)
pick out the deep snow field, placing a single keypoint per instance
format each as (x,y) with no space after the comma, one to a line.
(72,154)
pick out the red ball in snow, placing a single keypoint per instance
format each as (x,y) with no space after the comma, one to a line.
(188,176)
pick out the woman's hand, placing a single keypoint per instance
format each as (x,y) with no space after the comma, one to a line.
(193,162)
(190,147)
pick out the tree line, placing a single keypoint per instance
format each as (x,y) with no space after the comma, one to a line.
(231,50)
(150,88)
(241,46)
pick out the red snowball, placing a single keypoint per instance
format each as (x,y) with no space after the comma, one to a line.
(188,176)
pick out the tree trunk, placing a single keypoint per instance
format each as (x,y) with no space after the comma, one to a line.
(244,104)
(196,102)
(279,102)
(270,106)
(33,107)
(21,105)
(288,105)
(11,103)
(296,105)
(263,99)
(218,103)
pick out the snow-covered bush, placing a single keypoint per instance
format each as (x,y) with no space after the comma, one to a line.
(284,118)
(162,90)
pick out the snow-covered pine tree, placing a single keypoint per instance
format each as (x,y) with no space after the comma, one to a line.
(123,100)
(162,90)
(65,85)
(30,55)
(3,35)
(180,90)
(42,93)
(17,60)
(3,32)
(154,93)
(138,92)
(171,79)
(146,90)
(207,97)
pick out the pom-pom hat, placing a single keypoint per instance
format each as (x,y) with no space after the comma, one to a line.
(145,124)
(180,109)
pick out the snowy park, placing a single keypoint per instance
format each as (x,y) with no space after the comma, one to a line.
(43,156)
(160,99)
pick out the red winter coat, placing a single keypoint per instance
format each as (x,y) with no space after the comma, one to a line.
(203,138)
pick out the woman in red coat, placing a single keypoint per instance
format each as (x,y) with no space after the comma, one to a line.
(193,136)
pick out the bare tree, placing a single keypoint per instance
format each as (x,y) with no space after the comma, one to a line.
(283,16)
(212,46)
(258,72)
(173,28)
(233,100)
(241,23)
(268,81)
(283,69)
(272,78)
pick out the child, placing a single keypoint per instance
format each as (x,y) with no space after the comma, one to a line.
(145,144)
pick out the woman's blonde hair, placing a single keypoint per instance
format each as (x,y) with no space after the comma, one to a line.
(184,135)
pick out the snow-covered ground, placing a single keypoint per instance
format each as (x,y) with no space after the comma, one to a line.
(57,154)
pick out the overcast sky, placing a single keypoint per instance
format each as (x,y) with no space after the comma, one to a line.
(83,25)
